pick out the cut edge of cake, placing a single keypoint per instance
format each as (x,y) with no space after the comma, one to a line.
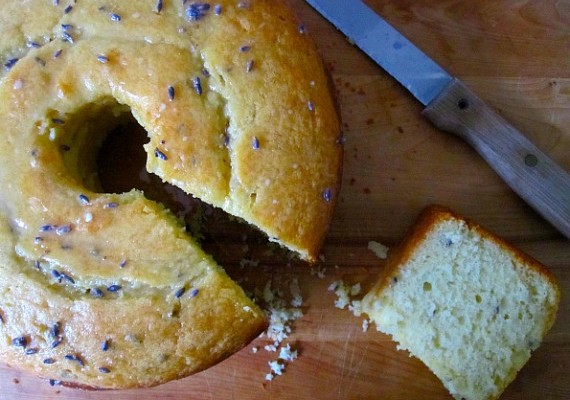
(465,302)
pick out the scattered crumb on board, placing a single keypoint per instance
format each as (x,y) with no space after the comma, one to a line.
(348,297)
(319,271)
(281,314)
(378,249)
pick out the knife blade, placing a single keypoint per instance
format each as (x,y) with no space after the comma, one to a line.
(452,107)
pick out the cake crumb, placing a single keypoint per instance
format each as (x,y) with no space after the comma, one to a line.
(355,289)
(297,299)
(346,296)
(318,271)
(281,318)
(270,347)
(344,293)
(355,307)
(287,354)
(378,249)
(276,367)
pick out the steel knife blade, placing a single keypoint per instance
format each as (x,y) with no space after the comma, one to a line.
(452,107)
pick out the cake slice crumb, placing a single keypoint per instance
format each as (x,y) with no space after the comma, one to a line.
(319,271)
(380,250)
(345,294)
(281,319)
(288,354)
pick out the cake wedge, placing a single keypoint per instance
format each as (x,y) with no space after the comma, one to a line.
(466,303)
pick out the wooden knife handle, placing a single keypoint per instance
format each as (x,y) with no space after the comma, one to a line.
(528,171)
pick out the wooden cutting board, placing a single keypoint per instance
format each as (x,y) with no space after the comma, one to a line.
(512,53)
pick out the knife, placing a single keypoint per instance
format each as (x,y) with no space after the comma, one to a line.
(452,107)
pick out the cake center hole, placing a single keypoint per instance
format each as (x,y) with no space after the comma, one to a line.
(101,145)
(121,164)
(102,149)
(121,167)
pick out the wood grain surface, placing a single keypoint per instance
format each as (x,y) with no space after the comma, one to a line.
(514,54)
(527,170)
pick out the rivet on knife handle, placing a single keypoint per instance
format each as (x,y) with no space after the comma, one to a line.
(528,171)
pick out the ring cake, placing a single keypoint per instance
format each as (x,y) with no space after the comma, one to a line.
(108,290)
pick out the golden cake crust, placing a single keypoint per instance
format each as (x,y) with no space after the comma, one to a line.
(399,255)
(107,290)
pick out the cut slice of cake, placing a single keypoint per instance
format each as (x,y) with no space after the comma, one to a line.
(463,301)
